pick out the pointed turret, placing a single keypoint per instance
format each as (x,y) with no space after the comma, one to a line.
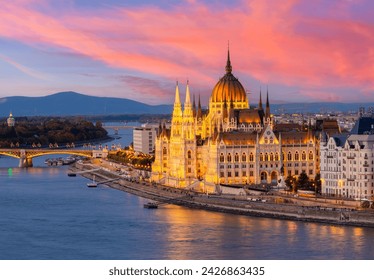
(187,113)
(188,118)
(177,99)
(164,130)
(176,120)
(188,98)
(228,63)
(260,102)
(267,112)
(199,111)
(194,106)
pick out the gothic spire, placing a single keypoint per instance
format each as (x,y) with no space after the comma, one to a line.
(267,113)
(193,106)
(177,99)
(188,112)
(260,102)
(199,111)
(177,110)
(228,63)
(188,98)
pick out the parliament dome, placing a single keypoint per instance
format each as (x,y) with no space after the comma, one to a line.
(228,87)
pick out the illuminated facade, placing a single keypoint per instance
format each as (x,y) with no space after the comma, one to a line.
(231,143)
(347,162)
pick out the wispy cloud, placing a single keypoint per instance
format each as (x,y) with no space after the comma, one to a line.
(26,70)
(292,42)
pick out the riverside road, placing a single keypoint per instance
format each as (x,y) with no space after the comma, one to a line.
(271,206)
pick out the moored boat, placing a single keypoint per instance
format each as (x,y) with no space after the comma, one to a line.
(151,205)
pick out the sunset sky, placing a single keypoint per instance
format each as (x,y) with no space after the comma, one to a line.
(304,51)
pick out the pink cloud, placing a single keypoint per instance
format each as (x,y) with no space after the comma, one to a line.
(270,41)
(150,89)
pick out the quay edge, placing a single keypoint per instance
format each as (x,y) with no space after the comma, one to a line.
(182,197)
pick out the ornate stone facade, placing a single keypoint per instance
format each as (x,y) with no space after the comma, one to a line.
(231,143)
(347,162)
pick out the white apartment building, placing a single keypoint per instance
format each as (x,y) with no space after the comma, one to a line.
(347,162)
(144,138)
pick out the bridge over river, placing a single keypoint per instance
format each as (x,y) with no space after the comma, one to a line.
(26,155)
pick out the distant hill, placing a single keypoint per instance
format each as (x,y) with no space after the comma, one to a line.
(72,103)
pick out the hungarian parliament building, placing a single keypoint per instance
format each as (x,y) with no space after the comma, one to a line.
(231,143)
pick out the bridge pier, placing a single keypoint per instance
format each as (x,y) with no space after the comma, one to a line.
(25,162)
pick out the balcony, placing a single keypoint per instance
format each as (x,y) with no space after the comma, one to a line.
(350,179)
(350,157)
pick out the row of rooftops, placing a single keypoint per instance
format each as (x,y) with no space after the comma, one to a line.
(362,131)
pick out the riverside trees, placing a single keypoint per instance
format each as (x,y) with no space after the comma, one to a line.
(45,131)
(303,182)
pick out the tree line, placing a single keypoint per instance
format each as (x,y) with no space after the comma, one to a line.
(44,132)
(303,182)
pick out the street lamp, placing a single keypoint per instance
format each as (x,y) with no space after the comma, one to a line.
(314,185)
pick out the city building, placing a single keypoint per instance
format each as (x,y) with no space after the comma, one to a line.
(347,162)
(231,143)
(11,121)
(144,139)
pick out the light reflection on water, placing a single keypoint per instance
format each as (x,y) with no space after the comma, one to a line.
(44,214)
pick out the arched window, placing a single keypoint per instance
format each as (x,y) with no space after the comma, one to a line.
(297,155)
(289,156)
(276,158)
(266,157)
(228,157)
(303,155)
(271,157)
(261,157)
(251,157)
(236,157)
(266,140)
(271,140)
(283,156)
(221,158)
(189,155)
(310,155)
(244,157)
(164,151)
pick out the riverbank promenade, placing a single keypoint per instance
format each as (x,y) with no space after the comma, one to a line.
(272,205)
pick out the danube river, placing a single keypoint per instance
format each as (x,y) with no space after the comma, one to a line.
(44,214)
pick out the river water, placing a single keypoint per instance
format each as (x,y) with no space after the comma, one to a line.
(44,214)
